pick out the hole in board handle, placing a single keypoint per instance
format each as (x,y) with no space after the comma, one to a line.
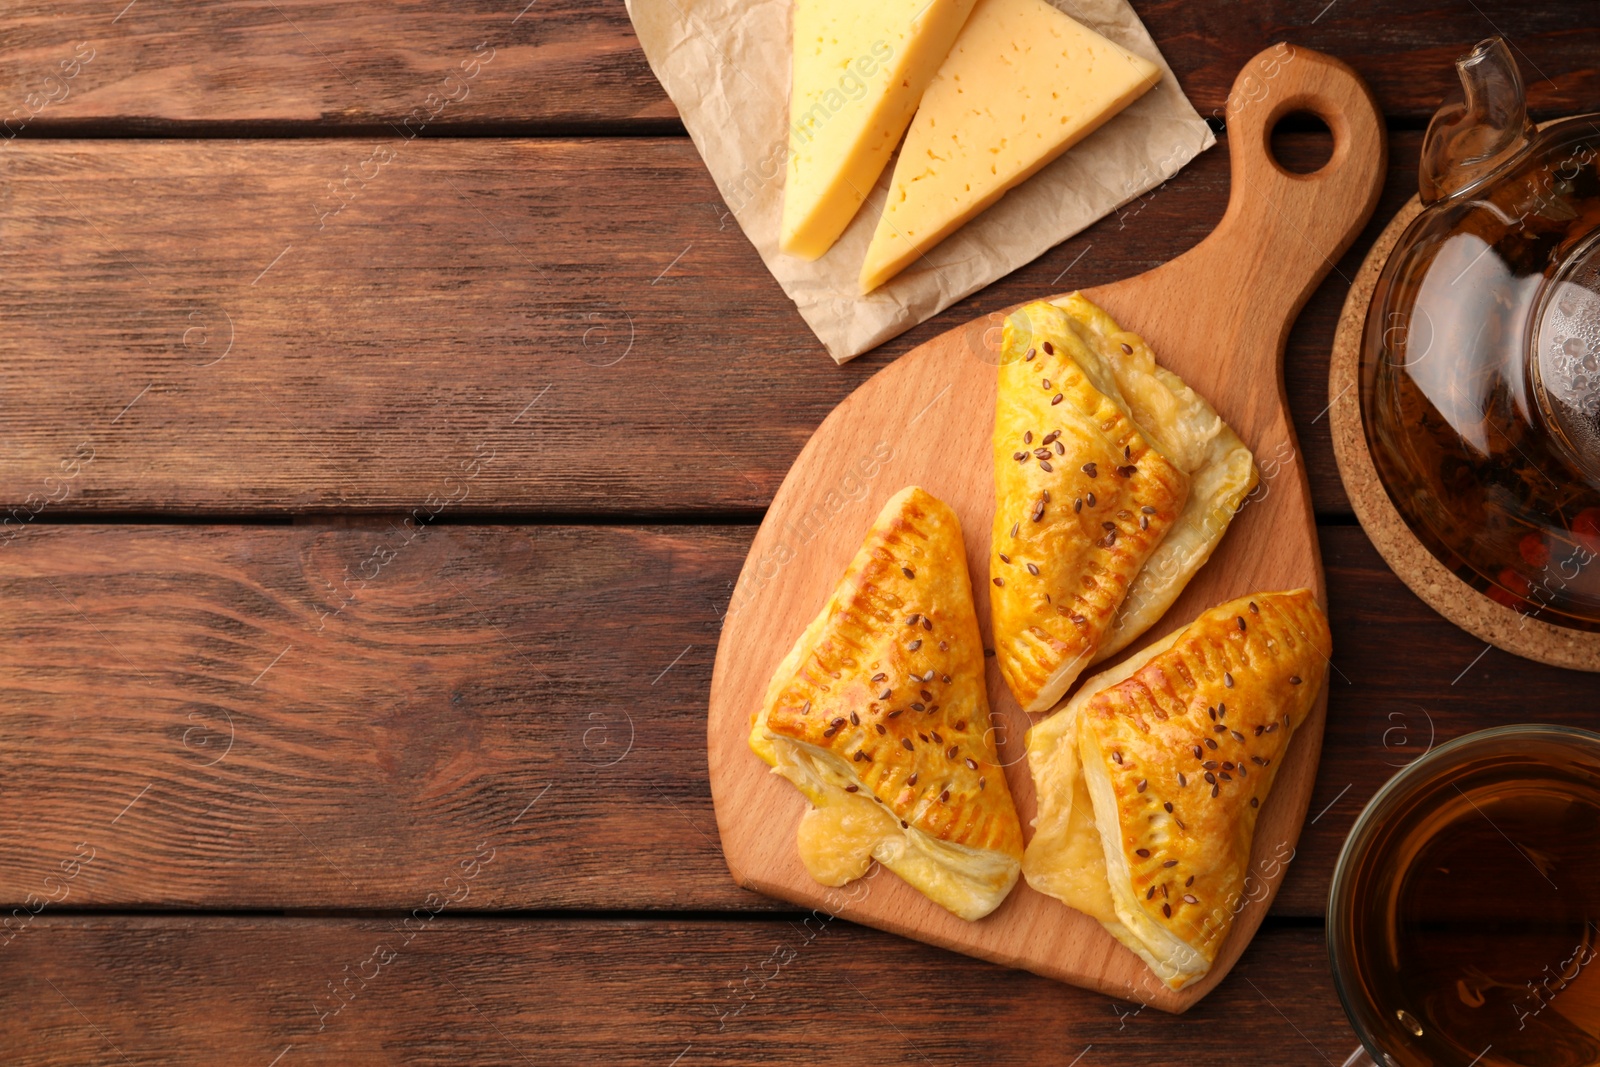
(1301,142)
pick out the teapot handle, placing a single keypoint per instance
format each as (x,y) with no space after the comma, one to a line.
(1472,137)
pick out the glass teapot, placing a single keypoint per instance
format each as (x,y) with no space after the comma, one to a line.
(1480,362)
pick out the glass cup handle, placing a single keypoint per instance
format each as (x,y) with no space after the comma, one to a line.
(1359,1058)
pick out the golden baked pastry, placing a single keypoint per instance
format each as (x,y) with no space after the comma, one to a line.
(1150,780)
(1082,499)
(1189,432)
(879,715)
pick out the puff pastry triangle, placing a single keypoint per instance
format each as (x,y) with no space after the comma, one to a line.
(1188,431)
(879,715)
(1173,752)
(1082,500)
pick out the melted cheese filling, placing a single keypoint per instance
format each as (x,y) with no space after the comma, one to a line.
(837,840)
(1065,859)
(841,836)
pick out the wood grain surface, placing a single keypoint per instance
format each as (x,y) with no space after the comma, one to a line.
(464,678)
(665,370)
(292,64)
(292,717)
(458,308)
(1217,316)
(179,66)
(170,990)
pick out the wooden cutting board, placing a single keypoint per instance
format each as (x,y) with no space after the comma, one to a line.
(1218,315)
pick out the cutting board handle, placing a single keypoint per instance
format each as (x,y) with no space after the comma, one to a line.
(1283,232)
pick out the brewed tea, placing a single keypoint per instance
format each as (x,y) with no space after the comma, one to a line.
(1475,916)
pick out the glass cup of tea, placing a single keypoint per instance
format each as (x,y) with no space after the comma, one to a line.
(1464,918)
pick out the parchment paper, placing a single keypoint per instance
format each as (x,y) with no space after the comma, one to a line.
(725,64)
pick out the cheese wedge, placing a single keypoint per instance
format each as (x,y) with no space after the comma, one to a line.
(880,716)
(1022,84)
(859,70)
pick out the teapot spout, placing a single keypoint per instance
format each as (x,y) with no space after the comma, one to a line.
(1470,138)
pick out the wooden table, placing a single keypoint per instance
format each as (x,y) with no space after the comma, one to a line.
(381,444)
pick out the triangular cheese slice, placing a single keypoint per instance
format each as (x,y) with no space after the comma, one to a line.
(1082,500)
(859,70)
(1174,752)
(1022,84)
(880,717)
(1188,431)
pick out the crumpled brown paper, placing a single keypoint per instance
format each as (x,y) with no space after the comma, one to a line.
(725,64)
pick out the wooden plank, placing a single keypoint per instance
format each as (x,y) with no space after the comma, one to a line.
(115,990)
(576,62)
(478,671)
(318,63)
(279,715)
(579,315)
(1406,54)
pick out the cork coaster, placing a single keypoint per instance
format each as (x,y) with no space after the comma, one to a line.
(1439,588)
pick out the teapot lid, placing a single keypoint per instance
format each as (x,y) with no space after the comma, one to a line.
(1473,136)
